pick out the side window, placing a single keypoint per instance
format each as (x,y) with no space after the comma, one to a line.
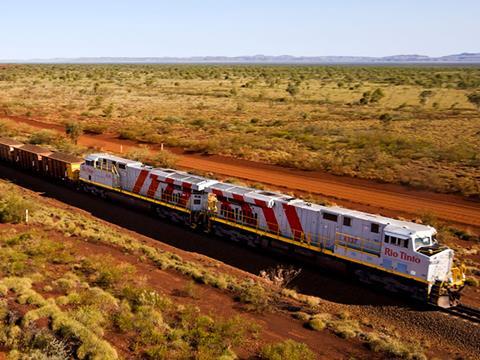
(374,228)
(122,166)
(330,217)
(347,221)
(405,243)
(387,239)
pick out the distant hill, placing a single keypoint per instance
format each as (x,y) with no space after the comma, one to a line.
(464,58)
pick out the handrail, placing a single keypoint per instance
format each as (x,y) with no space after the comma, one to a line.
(311,239)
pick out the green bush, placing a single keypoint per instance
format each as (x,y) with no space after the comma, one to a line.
(94,128)
(13,208)
(165,159)
(254,296)
(393,347)
(43,137)
(319,322)
(345,328)
(288,349)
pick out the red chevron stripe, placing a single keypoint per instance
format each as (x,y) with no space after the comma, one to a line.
(140,181)
(186,194)
(154,183)
(269,214)
(238,197)
(293,220)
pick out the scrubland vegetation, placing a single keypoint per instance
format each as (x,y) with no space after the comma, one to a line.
(57,303)
(411,125)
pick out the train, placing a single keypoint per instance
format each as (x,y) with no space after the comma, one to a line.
(399,256)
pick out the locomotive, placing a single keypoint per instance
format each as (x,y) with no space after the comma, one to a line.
(399,255)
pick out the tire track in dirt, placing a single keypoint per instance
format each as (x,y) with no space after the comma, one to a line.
(380,196)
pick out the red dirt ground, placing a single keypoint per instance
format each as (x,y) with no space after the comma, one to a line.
(361,194)
(448,337)
(276,326)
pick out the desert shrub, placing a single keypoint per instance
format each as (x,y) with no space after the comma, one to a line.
(128,134)
(139,154)
(95,128)
(288,349)
(165,159)
(319,322)
(43,137)
(393,347)
(210,338)
(32,343)
(68,282)
(345,328)
(254,296)
(99,298)
(73,130)
(300,315)
(148,324)
(91,317)
(105,273)
(13,207)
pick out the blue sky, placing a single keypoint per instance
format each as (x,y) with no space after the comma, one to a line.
(46,29)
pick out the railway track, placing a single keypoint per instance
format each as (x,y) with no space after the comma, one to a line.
(465,312)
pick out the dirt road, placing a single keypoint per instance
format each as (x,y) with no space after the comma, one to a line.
(362,194)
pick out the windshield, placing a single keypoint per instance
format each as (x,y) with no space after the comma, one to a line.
(423,241)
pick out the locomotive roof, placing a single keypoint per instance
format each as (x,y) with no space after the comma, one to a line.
(198,181)
(10,142)
(242,190)
(95,156)
(393,225)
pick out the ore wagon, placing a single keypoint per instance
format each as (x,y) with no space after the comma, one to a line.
(61,166)
(6,149)
(30,157)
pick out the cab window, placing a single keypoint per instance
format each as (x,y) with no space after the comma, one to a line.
(421,242)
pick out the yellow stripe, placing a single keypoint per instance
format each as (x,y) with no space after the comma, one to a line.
(138,196)
(317,249)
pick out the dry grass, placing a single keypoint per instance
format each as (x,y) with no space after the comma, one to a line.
(246,111)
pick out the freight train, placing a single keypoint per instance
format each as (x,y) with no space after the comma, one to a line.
(400,256)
